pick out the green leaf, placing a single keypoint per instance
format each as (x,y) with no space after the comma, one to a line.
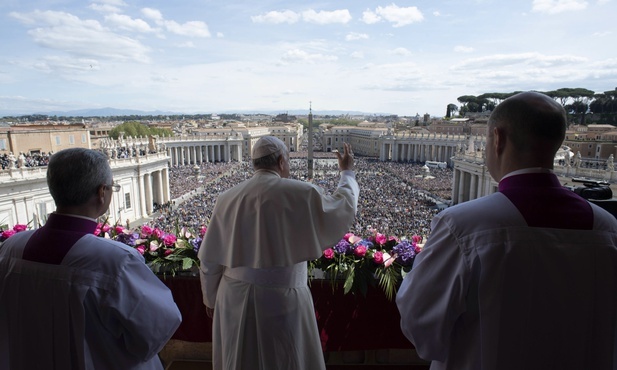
(187,263)
(350,278)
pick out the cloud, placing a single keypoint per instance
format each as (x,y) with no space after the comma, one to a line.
(66,64)
(153,14)
(369,17)
(522,59)
(400,16)
(310,16)
(558,6)
(401,51)
(601,34)
(436,13)
(107,6)
(220,35)
(190,28)
(324,17)
(463,49)
(299,56)
(353,36)
(85,38)
(127,23)
(275,17)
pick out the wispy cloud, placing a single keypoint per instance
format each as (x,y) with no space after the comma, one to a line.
(277,17)
(65,32)
(399,16)
(190,28)
(301,56)
(463,49)
(558,6)
(127,23)
(353,36)
(341,16)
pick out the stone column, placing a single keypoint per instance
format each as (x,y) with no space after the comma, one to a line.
(148,193)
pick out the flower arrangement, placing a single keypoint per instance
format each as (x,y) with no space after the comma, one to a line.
(5,234)
(164,252)
(361,262)
(358,262)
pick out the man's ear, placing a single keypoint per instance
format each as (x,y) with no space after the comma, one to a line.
(100,193)
(281,162)
(500,140)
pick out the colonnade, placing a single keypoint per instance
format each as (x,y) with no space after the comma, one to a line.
(425,147)
(154,186)
(418,152)
(471,179)
(183,152)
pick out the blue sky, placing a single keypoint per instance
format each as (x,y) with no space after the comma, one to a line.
(206,56)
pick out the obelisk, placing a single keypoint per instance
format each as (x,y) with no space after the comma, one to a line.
(310,142)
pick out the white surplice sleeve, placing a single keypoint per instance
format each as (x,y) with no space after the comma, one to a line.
(141,310)
(433,295)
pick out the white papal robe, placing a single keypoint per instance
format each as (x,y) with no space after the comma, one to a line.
(253,269)
(100,307)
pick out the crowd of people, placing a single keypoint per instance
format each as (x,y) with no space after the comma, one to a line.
(24,160)
(395,198)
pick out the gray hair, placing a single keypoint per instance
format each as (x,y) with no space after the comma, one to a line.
(74,175)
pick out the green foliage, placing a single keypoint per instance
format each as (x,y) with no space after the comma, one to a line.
(136,129)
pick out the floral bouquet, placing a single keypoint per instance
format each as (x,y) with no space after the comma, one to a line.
(164,252)
(5,234)
(361,262)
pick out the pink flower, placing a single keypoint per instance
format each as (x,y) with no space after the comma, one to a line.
(146,230)
(416,239)
(105,228)
(157,232)
(202,231)
(417,248)
(168,252)
(141,249)
(347,236)
(7,234)
(328,253)
(97,232)
(119,229)
(378,257)
(380,239)
(393,238)
(169,239)
(360,251)
(19,227)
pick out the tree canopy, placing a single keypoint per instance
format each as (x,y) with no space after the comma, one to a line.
(578,103)
(136,129)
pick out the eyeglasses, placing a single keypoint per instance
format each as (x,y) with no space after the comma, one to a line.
(114,187)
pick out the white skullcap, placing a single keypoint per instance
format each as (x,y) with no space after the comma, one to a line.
(268,145)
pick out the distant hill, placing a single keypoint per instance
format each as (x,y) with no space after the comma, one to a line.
(108,112)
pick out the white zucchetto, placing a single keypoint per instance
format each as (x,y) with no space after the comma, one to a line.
(268,145)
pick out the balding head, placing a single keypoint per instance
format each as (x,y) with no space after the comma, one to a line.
(530,128)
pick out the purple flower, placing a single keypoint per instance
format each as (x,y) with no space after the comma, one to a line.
(127,238)
(405,252)
(343,247)
(196,244)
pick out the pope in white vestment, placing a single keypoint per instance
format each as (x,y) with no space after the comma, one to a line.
(254,263)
